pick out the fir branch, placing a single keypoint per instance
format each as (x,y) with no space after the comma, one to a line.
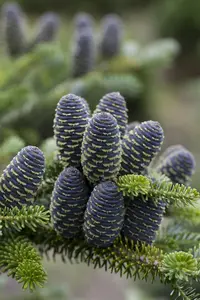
(161,190)
(18,257)
(189,215)
(176,237)
(179,266)
(27,216)
(133,185)
(176,194)
(31,274)
(184,293)
(135,260)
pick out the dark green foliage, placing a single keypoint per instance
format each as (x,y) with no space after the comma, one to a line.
(22,177)
(115,104)
(13,26)
(140,146)
(27,216)
(68,203)
(93,86)
(70,121)
(125,257)
(101,148)
(179,20)
(178,164)
(104,215)
(83,56)
(142,219)
(99,7)
(128,85)
(48,25)
(110,44)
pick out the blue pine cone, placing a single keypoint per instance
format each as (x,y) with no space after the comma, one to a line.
(104,215)
(83,56)
(14,30)
(170,150)
(48,25)
(115,104)
(142,220)
(87,106)
(178,164)
(21,178)
(101,148)
(110,42)
(140,146)
(68,203)
(70,122)
(83,21)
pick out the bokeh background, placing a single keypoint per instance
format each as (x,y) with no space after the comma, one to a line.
(157,69)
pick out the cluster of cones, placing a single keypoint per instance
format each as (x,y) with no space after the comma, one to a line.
(95,149)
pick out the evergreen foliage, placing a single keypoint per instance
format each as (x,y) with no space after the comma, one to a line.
(38,78)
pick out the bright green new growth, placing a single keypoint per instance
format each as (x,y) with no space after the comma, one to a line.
(180,266)
(178,194)
(133,185)
(19,257)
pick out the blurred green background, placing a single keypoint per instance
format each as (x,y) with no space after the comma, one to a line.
(157,71)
